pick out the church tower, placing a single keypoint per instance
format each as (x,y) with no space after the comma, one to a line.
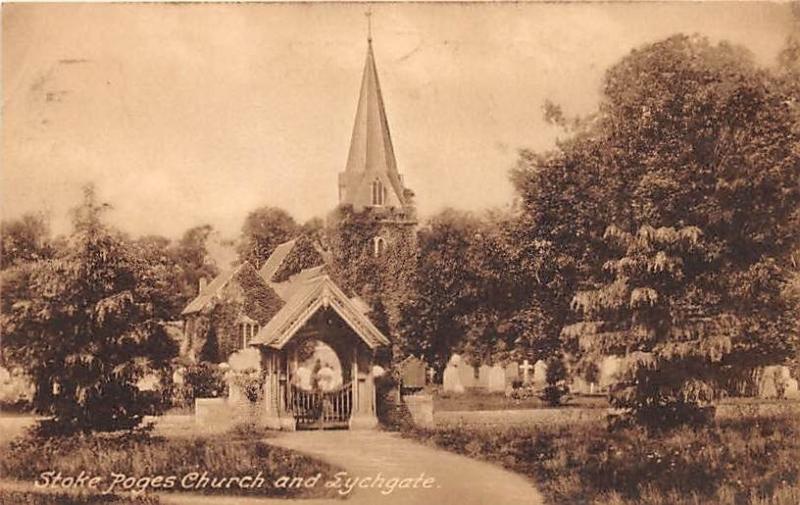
(371,186)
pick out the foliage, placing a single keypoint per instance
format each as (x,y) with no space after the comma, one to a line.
(304,254)
(744,461)
(555,377)
(85,330)
(16,390)
(141,456)
(192,258)
(204,380)
(248,381)
(34,498)
(672,216)
(24,239)
(383,282)
(471,293)
(263,229)
(392,413)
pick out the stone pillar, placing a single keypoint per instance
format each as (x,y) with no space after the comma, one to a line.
(270,414)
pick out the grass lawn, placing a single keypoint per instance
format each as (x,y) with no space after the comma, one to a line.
(754,461)
(478,399)
(238,453)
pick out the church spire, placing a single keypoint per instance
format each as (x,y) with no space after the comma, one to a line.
(371,177)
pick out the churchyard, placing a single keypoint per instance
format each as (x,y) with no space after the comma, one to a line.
(620,329)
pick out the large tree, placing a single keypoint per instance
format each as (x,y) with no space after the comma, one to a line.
(85,328)
(263,229)
(677,205)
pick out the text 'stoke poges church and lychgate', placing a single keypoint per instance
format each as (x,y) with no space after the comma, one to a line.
(285,317)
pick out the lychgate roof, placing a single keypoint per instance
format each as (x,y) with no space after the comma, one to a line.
(308,298)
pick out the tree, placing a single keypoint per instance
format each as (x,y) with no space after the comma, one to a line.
(676,209)
(466,294)
(263,229)
(24,239)
(192,258)
(85,330)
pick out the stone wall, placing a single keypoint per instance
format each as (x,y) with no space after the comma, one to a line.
(213,413)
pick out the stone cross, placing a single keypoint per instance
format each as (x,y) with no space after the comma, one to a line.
(526,368)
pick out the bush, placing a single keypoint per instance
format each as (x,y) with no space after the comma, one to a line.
(204,380)
(16,390)
(391,413)
(555,376)
(137,454)
(732,462)
(248,381)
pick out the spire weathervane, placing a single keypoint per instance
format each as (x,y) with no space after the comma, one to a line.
(368,14)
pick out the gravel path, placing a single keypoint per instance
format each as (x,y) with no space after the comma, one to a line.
(457,480)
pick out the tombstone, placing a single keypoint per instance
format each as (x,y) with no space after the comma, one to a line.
(451,380)
(526,372)
(777,382)
(466,374)
(540,374)
(412,373)
(610,368)
(497,379)
(511,372)
(483,376)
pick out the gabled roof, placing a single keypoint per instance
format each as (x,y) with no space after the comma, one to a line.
(208,294)
(311,295)
(275,260)
(371,154)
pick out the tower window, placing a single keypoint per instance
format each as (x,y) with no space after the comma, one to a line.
(378,193)
(378,246)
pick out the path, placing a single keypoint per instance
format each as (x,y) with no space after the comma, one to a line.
(458,480)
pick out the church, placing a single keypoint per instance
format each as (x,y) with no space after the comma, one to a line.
(318,345)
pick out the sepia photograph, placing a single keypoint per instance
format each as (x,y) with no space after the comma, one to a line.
(457,253)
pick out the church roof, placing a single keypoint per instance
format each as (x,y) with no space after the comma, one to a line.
(371,152)
(275,260)
(209,294)
(312,295)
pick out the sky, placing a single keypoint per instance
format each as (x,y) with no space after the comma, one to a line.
(189,114)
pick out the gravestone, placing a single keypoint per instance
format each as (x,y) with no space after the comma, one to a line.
(483,376)
(511,373)
(610,368)
(777,382)
(412,373)
(451,380)
(540,374)
(526,372)
(466,373)
(497,379)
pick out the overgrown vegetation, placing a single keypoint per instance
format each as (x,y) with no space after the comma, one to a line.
(34,498)
(750,461)
(141,456)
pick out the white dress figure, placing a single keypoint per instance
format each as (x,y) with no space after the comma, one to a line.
(325,378)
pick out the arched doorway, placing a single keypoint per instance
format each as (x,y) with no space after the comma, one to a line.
(319,322)
(320,392)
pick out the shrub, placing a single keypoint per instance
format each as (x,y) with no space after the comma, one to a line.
(731,462)
(204,380)
(392,413)
(137,454)
(555,376)
(16,390)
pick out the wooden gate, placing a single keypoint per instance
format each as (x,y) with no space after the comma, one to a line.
(321,409)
